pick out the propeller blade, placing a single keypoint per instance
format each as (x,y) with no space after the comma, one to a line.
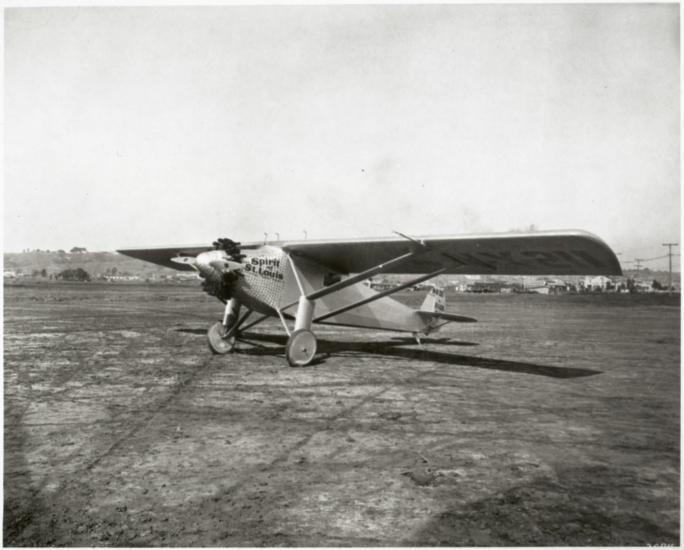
(226,264)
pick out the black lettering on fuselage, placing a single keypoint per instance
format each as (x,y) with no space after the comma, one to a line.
(268,268)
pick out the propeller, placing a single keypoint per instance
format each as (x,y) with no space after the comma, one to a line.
(220,269)
(221,272)
(230,247)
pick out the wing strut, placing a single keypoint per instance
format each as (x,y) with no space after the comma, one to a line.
(379,295)
(301,345)
(358,277)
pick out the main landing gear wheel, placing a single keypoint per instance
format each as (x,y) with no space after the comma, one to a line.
(219,341)
(301,348)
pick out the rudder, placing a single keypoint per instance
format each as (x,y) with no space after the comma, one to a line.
(435,301)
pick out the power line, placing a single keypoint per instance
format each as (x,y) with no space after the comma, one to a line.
(638,266)
(649,259)
(654,258)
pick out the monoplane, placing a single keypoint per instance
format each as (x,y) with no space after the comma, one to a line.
(322,281)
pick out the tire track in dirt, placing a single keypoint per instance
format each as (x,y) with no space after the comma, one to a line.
(251,477)
(151,412)
(24,521)
(325,421)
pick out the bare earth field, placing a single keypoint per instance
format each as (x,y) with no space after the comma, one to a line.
(552,421)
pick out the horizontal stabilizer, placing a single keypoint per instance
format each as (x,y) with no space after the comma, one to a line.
(446,317)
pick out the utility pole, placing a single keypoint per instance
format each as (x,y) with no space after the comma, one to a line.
(669,257)
(636,277)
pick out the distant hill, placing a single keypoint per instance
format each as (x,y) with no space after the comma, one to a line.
(97,264)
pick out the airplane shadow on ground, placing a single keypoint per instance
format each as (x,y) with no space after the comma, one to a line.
(395,347)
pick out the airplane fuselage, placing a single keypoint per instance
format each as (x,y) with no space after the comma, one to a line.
(322,281)
(266,282)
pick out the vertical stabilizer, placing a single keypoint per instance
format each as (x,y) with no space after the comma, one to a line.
(435,301)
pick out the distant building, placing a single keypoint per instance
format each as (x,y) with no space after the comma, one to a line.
(545,285)
(643,286)
(542,289)
(380,284)
(122,277)
(485,286)
(600,283)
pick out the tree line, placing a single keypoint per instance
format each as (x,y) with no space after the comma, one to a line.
(76,274)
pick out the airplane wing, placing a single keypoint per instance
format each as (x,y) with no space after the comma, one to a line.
(540,253)
(162,256)
(571,252)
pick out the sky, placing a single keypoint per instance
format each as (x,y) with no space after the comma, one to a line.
(177,125)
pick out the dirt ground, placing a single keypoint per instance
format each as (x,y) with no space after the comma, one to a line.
(552,421)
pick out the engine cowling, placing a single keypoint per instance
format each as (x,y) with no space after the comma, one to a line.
(220,273)
(220,268)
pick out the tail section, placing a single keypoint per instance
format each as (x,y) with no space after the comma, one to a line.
(435,301)
(433,310)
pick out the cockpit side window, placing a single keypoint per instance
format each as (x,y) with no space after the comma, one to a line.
(331,278)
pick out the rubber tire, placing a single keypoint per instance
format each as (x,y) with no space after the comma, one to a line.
(301,348)
(218,343)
